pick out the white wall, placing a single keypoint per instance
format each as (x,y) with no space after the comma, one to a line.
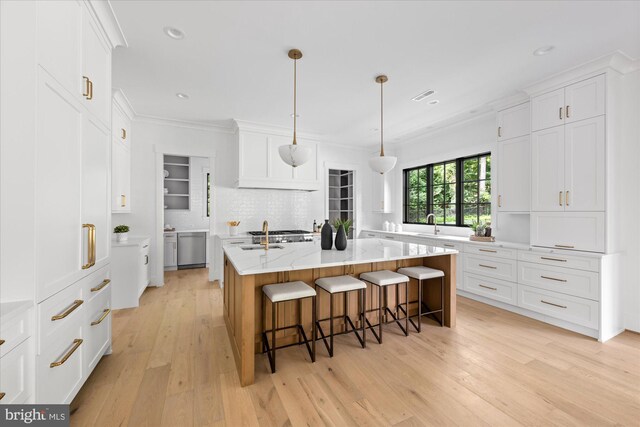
(195,218)
(468,138)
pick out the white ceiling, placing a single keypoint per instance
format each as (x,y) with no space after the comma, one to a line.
(233,60)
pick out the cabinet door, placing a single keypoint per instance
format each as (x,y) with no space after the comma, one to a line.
(96,66)
(59,42)
(95,186)
(116,179)
(514,122)
(514,175)
(585,99)
(170,252)
(547,110)
(584,165)
(547,170)
(581,231)
(58,224)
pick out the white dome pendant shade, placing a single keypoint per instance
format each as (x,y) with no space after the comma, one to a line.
(382,164)
(294,154)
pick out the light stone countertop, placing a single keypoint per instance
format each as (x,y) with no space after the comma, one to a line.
(305,255)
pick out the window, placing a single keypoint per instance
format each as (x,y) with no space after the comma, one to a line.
(457,192)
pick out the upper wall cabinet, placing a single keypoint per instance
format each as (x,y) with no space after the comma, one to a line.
(96,70)
(579,101)
(122,114)
(260,165)
(514,122)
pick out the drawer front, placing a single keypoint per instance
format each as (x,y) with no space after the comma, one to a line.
(499,268)
(496,289)
(96,284)
(59,367)
(460,247)
(489,251)
(561,260)
(565,307)
(59,313)
(369,235)
(584,284)
(97,329)
(16,372)
(15,331)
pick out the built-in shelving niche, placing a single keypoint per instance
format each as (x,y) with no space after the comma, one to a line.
(176,185)
(341,196)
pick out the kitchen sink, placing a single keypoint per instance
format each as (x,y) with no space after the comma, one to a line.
(256,247)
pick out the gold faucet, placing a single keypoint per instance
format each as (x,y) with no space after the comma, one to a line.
(265,230)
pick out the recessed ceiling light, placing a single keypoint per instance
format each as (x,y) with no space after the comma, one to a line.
(543,50)
(174,33)
(433,102)
(182,95)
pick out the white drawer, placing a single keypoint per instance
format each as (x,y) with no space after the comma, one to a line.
(499,268)
(490,251)
(579,283)
(565,307)
(449,245)
(96,284)
(60,368)
(59,313)
(16,371)
(496,289)
(14,331)
(369,234)
(97,329)
(561,260)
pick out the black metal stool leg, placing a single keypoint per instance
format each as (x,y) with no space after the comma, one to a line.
(381,312)
(363,298)
(419,305)
(331,324)
(406,316)
(314,315)
(274,310)
(442,301)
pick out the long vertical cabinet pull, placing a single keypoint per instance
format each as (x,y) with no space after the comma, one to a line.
(560,113)
(123,200)
(560,198)
(91,245)
(86,86)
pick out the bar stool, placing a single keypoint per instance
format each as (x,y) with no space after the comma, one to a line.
(342,285)
(421,273)
(283,292)
(382,279)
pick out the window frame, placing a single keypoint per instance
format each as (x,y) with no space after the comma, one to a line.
(459,184)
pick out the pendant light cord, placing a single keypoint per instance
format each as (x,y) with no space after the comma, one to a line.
(381,121)
(295,115)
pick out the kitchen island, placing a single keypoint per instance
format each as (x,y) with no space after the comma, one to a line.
(247,269)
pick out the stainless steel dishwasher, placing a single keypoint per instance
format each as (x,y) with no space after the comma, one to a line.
(192,250)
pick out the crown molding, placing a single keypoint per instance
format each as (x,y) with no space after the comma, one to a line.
(163,121)
(247,126)
(122,103)
(617,62)
(108,22)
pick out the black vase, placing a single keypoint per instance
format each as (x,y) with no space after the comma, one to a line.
(341,238)
(326,236)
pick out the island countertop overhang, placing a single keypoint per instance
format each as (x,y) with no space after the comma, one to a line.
(307,255)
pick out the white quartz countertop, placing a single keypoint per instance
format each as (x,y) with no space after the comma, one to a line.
(305,255)
(448,238)
(235,236)
(178,230)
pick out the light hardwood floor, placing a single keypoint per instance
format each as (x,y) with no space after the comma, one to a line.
(172,365)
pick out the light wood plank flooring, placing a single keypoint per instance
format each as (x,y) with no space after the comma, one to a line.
(172,365)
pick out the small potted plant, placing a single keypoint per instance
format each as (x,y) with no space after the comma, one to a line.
(122,233)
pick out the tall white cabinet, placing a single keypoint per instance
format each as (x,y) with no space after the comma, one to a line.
(121,138)
(59,54)
(514,160)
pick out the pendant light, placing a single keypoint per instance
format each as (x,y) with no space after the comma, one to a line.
(382,164)
(294,154)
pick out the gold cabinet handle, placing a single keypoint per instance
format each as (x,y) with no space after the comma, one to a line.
(488,266)
(90,97)
(146,259)
(488,250)
(105,313)
(567,111)
(560,198)
(550,303)
(86,86)
(553,259)
(499,200)
(566,198)
(553,278)
(2,395)
(2,342)
(91,245)
(499,131)
(564,246)
(560,113)
(101,286)
(488,287)
(77,303)
(76,343)
(124,133)
(123,200)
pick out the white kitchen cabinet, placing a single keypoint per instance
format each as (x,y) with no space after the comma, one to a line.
(120,177)
(547,169)
(547,110)
(514,174)
(572,309)
(584,169)
(381,192)
(583,231)
(514,122)
(97,327)
(585,99)
(96,70)
(16,374)
(170,251)
(129,271)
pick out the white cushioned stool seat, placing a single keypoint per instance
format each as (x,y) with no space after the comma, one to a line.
(340,284)
(421,273)
(384,277)
(288,291)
